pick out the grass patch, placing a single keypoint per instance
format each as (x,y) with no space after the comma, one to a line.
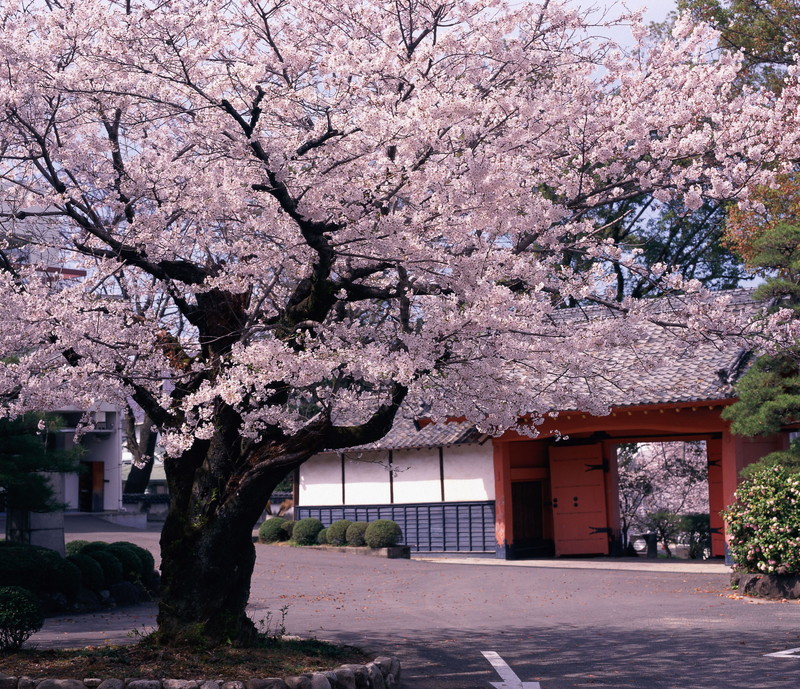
(273,658)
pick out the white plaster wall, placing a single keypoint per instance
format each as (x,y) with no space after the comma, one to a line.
(366,478)
(321,480)
(71,491)
(469,473)
(417,478)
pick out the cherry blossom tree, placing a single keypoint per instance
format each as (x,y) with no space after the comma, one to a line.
(285,219)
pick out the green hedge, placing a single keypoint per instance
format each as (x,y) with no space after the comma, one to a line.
(271,531)
(90,569)
(355,534)
(20,616)
(306,530)
(382,533)
(337,532)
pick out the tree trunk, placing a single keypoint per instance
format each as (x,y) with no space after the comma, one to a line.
(206,571)
(143,451)
(218,490)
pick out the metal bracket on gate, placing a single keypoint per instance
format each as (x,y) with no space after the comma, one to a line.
(598,529)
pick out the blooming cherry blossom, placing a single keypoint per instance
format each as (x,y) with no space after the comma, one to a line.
(282,220)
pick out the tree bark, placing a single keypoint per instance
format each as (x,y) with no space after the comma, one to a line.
(142,450)
(206,572)
(208,556)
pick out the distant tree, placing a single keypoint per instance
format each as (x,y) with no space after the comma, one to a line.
(769,391)
(26,457)
(140,440)
(690,241)
(658,483)
(765,31)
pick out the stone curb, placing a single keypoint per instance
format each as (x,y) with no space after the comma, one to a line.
(772,586)
(381,673)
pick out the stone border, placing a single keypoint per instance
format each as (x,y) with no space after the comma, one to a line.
(382,673)
(392,552)
(772,586)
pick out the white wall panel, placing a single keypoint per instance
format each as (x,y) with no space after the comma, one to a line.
(366,478)
(321,480)
(468,473)
(417,478)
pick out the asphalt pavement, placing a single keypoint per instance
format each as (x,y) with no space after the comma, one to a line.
(464,622)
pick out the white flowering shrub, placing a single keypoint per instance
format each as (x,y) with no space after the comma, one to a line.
(764,522)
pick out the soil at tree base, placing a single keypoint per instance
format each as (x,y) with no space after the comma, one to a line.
(147,661)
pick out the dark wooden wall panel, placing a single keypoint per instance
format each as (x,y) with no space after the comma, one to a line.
(427,527)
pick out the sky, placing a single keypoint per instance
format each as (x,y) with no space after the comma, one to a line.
(656,10)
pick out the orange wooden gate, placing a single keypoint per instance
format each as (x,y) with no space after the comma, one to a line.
(577,477)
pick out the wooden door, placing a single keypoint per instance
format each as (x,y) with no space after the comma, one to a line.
(91,487)
(716,499)
(577,477)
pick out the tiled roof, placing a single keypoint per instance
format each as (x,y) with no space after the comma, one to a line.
(702,372)
(405,435)
(697,372)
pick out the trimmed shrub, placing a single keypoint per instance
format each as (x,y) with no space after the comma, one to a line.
(322,537)
(148,561)
(382,533)
(110,564)
(272,531)
(20,616)
(764,522)
(355,534)
(22,565)
(306,530)
(288,528)
(132,566)
(337,532)
(65,577)
(91,571)
(697,531)
(74,547)
(93,547)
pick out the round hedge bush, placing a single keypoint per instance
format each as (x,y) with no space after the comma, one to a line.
(112,567)
(74,547)
(322,537)
(305,531)
(132,567)
(90,569)
(355,534)
(22,565)
(382,533)
(337,532)
(148,561)
(65,577)
(272,531)
(764,523)
(288,528)
(20,616)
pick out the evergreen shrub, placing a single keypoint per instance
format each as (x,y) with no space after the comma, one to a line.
(355,534)
(337,532)
(763,523)
(272,530)
(20,616)
(110,564)
(306,530)
(382,533)
(74,547)
(91,571)
(322,537)
(132,565)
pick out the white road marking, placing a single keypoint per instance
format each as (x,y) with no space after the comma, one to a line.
(790,653)
(510,679)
